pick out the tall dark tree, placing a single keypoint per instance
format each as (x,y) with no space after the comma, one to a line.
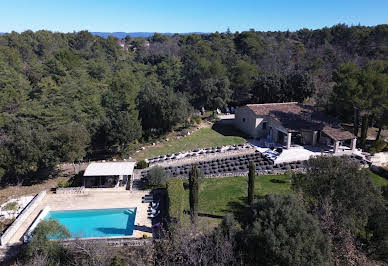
(281,232)
(362,89)
(194,194)
(251,182)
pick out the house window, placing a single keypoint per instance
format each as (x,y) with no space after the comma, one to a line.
(243,119)
(264,125)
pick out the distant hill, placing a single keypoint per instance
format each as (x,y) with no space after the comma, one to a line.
(122,35)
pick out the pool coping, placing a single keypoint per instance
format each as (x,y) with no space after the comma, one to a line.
(46,210)
(92,201)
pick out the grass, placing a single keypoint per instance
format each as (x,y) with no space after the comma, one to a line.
(378,180)
(11,206)
(205,137)
(217,196)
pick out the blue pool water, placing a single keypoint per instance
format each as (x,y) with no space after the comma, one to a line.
(96,223)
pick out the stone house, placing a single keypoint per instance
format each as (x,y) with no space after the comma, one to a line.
(292,124)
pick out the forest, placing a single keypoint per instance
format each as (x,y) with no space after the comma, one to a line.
(66,97)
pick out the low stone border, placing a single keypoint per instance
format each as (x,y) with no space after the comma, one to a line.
(112,241)
(27,236)
(8,234)
(231,166)
(239,166)
(71,190)
(199,154)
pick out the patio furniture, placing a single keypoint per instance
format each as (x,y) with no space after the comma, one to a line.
(150,216)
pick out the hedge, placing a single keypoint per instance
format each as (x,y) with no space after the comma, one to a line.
(175,192)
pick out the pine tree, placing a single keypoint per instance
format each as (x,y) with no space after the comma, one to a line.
(251,182)
(194,194)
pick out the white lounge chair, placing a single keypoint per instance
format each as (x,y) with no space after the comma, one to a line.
(153,215)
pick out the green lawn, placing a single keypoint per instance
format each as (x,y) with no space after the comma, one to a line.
(219,195)
(205,137)
(378,180)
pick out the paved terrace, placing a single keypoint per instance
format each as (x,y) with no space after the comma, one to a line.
(94,200)
(303,153)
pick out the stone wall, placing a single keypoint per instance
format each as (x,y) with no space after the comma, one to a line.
(8,234)
(112,241)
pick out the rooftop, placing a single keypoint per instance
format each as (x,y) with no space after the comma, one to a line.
(109,169)
(295,117)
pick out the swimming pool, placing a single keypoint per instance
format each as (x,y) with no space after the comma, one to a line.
(96,223)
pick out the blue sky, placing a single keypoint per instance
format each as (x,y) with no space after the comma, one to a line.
(187,16)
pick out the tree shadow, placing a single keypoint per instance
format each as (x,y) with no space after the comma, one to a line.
(143,228)
(240,209)
(228,130)
(11,254)
(201,214)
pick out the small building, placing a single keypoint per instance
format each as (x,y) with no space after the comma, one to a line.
(108,174)
(292,124)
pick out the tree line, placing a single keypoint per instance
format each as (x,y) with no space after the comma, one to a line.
(65,97)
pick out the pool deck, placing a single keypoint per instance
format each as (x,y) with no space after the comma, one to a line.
(94,200)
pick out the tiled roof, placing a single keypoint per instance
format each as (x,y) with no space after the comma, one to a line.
(296,117)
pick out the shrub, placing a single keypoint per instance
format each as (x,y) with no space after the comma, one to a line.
(384,192)
(41,244)
(63,184)
(196,119)
(141,164)
(175,193)
(378,146)
(76,180)
(156,177)
(11,206)
(281,232)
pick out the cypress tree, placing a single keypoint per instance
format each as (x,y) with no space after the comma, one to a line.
(194,194)
(251,182)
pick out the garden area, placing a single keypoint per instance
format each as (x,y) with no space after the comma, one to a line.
(218,196)
(204,137)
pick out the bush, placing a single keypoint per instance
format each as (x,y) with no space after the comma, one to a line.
(63,184)
(384,192)
(41,243)
(281,232)
(196,119)
(11,206)
(378,146)
(141,164)
(156,177)
(175,192)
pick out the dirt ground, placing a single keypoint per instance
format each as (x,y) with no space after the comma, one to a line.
(372,132)
(17,191)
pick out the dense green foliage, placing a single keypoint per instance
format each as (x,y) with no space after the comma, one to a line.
(156,177)
(141,164)
(56,86)
(43,246)
(251,182)
(348,205)
(281,232)
(350,190)
(175,192)
(378,146)
(362,91)
(194,194)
